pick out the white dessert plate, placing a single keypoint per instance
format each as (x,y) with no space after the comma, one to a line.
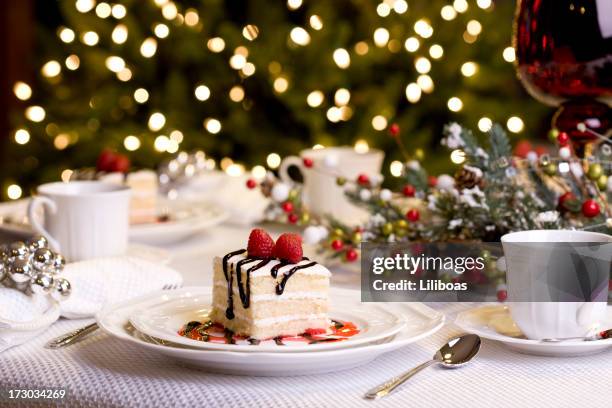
(164,320)
(183,220)
(492,321)
(421,322)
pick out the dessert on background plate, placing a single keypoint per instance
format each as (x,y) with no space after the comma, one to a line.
(270,291)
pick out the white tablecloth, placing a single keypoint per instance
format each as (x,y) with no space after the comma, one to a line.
(102,371)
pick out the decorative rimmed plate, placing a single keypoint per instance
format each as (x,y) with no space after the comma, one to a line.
(180,221)
(164,320)
(421,322)
(491,321)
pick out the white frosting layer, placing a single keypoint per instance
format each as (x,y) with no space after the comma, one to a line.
(270,321)
(274,296)
(316,269)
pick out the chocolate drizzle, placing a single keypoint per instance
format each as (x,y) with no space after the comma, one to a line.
(275,268)
(244,290)
(229,312)
(280,286)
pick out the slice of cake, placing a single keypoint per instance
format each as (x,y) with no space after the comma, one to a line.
(270,290)
(143,202)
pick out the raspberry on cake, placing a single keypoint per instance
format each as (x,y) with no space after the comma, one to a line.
(267,291)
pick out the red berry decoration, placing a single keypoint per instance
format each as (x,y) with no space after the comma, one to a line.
(413,215)
(563,139)
(121,164)
(590,208)
(251,183)
(292,218)
(502,295)
(288,248)
(287,206)
(106,160)
(409,190)
(308,162)
(337,244)
(351,255)
(394,130)
(363,179)
(260,244)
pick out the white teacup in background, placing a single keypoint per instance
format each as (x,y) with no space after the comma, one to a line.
(557,264)
(322,195)
(83,219)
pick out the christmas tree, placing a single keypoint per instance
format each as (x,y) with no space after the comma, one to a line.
(250,81)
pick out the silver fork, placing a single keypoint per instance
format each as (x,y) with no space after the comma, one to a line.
(77,335)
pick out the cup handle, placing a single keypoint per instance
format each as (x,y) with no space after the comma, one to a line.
(284,167)
(35,202)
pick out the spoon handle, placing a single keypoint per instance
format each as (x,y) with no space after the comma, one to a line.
(387,387)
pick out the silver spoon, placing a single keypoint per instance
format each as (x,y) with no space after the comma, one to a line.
(606,334)
(457,352)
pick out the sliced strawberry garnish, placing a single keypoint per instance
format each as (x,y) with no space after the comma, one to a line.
(260,245)
(288,248)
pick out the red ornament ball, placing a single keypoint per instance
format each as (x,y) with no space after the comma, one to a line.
(413,215)
(351,255)
(563,139)
(308,162)
(409,190)
(363,179)
(522,148)
(121,164)
(287,206)
(502,295)
(106,159)
(251,183)
(394,130)
(590,208)
(337,244)
(432,181)
(292,218)
(564,198)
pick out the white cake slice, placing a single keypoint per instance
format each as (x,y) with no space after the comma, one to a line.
(143,202)
(268,298)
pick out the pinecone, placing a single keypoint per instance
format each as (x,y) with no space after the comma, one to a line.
(468,177)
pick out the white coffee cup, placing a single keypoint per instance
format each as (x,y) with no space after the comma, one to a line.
(321,194)
(83,219)
(554,264)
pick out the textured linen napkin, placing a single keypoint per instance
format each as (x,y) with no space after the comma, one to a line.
(95,284)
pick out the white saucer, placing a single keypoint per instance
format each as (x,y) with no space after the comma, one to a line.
(421,321)
(173,310)
(184,220)
(477,321)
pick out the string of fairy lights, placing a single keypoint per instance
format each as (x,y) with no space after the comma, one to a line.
(340,110)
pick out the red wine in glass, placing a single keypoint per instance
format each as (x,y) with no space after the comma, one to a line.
(564,53)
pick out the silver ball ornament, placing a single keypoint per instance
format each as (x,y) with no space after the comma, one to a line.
(42,259)
(58,263)
(3,271)
(4,253)
(37,242)
(42,283)
(20,271)
(62,289)
(18,249)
